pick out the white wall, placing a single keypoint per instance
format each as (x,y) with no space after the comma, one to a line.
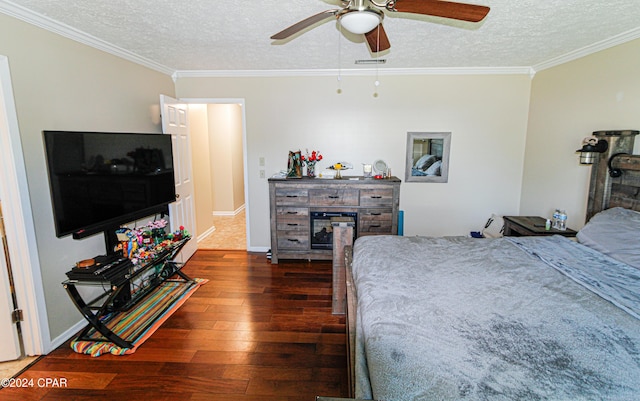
(60,84)
(568,103)
(487,115)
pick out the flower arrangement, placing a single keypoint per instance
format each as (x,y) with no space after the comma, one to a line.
(310,161)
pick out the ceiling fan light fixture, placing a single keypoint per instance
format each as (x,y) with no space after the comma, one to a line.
(360,21)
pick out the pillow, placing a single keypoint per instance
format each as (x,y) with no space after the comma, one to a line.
(434,169)
(424,162)
(616,233)
(494,228)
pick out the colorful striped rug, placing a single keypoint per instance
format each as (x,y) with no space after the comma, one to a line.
(140,322)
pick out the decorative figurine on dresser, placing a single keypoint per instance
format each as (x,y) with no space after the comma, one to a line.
(301,212)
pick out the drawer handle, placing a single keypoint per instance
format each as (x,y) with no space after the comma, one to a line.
(376,196)
(292,196)
(376,214)
(292,212)
(334,197)
(375,225)
(292,224)
(293,240)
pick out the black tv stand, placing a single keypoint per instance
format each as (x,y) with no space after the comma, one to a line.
(118,296)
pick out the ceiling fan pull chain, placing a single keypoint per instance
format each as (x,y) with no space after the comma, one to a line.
(339,90)
(377,82)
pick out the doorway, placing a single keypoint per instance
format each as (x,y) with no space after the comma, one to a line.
(217,132)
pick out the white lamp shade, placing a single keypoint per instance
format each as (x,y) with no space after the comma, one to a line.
(360,22)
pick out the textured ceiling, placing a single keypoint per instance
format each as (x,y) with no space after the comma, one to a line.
(215,35)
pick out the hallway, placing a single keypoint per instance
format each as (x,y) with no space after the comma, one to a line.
(230,233)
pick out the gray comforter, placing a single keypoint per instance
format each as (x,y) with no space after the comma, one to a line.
(494,319)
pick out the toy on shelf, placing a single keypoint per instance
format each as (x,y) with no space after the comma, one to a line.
(144,243)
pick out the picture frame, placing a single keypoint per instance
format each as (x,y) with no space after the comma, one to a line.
(294,164)
(428,157)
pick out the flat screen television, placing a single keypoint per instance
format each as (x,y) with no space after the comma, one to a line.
(101,180)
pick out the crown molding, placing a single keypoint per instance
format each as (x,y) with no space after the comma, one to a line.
(587,50)
(352,72)
(41,21)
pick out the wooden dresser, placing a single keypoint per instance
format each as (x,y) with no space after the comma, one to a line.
(294,201)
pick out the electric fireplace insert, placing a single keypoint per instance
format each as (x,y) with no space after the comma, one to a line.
(321,230)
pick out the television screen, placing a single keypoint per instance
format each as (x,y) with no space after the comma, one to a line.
(101,180)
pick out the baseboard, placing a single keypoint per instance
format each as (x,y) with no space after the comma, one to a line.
(206,233)
(233,213)
(258,249)
(67,335)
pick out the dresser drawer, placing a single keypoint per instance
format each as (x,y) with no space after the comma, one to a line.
(334,197)
(293,225)
(292,219)
(376,197)
(293,240)
(375,221)
(292,213)
(375,228)
(292,196)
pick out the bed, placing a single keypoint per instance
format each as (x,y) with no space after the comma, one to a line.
(535,318)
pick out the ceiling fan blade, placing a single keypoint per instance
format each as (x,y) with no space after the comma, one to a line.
(305,23)
(377,39)
(446,9)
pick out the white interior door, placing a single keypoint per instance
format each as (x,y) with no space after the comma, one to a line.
(175,122)
(9,339)
(19,227)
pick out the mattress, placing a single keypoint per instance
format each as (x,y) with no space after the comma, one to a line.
(535,318)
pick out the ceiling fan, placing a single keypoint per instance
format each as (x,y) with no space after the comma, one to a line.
(365,17)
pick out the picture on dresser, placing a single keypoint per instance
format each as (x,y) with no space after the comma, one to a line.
(427,156)
(294,165)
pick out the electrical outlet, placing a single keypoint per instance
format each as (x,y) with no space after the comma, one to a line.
(261,161)
(261,173)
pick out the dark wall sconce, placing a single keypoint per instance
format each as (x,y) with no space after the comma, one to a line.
(590,147)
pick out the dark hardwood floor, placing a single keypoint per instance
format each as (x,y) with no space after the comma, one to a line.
(255,331)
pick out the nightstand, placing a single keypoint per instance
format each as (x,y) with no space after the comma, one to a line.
(515,226)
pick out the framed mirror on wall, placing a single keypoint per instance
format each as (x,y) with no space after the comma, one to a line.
(428,156)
